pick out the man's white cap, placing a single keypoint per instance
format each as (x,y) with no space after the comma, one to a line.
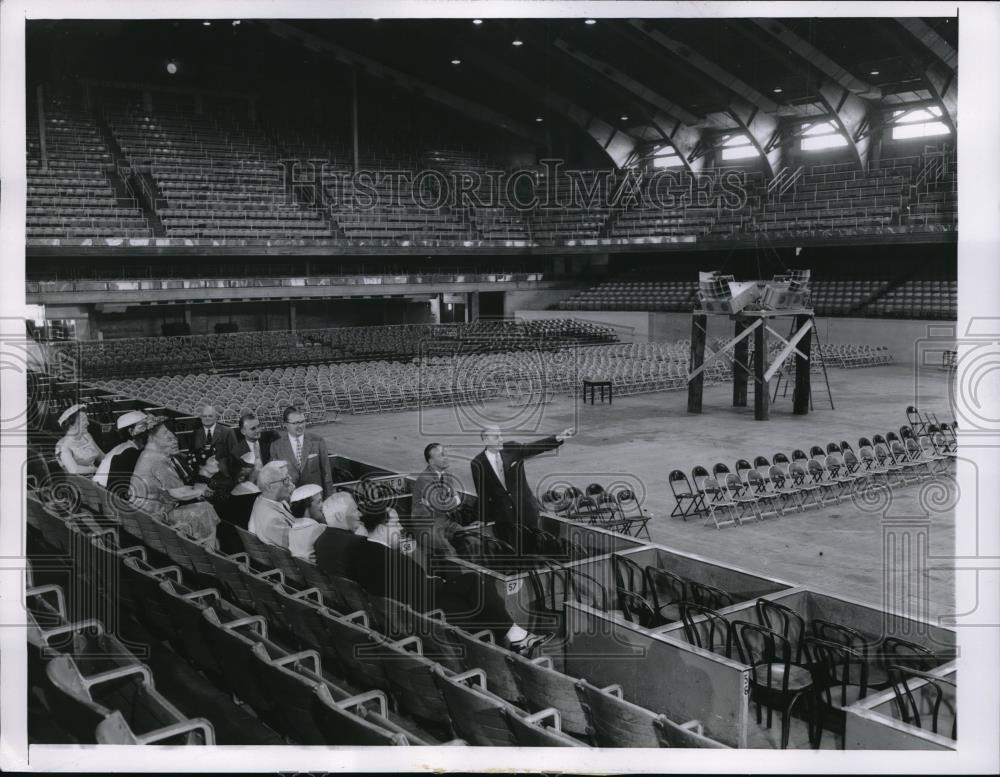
(68,412)
(130,418)
(307,491)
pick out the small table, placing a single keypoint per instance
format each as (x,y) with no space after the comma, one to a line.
(598,384)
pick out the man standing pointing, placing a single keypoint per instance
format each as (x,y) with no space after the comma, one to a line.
(502,487)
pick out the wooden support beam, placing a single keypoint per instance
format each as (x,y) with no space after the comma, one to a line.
(800,399)
(745,333)
(740,356)
(696,384)
(761,394)
(789,347)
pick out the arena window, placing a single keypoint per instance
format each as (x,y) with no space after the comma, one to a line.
(738,146)
(665,157)
(918,123)
(820,135)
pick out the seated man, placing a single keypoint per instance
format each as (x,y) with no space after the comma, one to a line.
(468,600)
(337,548)
(270,518)
(435,508)
(305,505)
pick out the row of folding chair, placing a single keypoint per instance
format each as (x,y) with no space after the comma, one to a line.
(617,509)
(826,475)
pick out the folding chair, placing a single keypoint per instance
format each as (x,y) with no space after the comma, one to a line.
(802,482)
(721,511)
(688,501)
(632,513)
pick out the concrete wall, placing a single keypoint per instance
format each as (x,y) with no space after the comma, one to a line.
(900,336)
(147,321)
(533,299)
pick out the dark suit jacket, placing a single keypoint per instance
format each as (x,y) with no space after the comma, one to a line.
(511,501)
(122,467)
(337,552)
(222,438)
(385,572)
(238,446)
(315,465)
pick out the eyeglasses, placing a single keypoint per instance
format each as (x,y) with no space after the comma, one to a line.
(295,421)
(285,479)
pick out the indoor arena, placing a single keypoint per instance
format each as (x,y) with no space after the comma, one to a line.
(578,382)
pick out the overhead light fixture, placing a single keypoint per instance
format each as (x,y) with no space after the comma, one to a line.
(539,119)
(206,24)
(517,42)
(477,21)
(590,21)
(874,73)
(777,90)
(456,62)
(623,118)
(172,67)
(236,22)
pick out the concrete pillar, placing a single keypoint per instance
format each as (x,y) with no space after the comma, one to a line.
(187,314)
(436,309)
(472,306)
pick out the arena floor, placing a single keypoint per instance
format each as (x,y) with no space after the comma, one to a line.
(639,439)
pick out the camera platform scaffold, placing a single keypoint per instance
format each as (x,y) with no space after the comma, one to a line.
(754,306)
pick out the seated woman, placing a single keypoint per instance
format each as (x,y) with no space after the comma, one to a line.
(158,490)
(77,452)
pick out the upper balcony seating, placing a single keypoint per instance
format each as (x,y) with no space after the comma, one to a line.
(72,196)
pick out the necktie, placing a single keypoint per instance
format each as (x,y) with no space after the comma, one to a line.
(498,466)
(208,436)
(255,449)
(298,449)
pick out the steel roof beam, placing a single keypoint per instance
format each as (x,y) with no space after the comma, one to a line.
(932,40)
(754,113)
(818,59)
(674,123)
(406,82)
(616,143)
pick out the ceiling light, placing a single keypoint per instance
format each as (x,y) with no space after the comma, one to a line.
(591,21)
(517,42)
(623,118)
(456,62)
(206,24)
(873,73)
(236,22)
(777,90)
(171,67)
(477,21)
(539,118)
